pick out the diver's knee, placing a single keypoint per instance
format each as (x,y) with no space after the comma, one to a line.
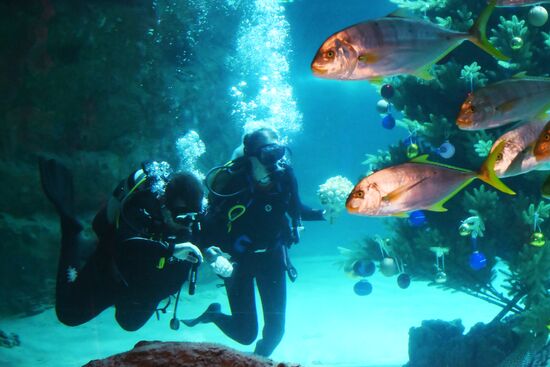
(67,318)
(249,333)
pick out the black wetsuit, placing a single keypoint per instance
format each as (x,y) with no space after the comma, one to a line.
(131,267)
(256,240)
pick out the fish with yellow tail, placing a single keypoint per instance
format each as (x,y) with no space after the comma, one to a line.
(519,99)
(517,143)
(417,185)
(394,45)
(542,145)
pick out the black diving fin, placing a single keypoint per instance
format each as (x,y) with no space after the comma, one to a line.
(57,184)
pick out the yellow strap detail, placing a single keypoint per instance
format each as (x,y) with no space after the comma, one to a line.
(233,217)
(117,219)
(161,263)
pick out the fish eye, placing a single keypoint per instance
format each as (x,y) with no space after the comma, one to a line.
(500,156)
(546,136)
(472,108)
(359,194)
(330,54)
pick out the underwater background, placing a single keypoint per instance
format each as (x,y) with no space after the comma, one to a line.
(103,85)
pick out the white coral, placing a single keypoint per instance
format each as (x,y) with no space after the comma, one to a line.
(333,194)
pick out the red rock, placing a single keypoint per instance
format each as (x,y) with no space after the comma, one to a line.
(184,354)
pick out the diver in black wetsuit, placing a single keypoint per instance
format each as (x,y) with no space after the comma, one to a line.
(141,256)
(255,214)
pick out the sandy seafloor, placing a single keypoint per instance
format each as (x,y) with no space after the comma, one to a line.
(327,324)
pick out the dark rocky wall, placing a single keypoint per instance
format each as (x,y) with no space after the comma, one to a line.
(101,85)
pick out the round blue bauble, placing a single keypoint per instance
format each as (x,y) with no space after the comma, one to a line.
(417,218)
(477,260)
(362,288)
(388,122)
(446,150)
(364,268)
(387,91)
(404,280)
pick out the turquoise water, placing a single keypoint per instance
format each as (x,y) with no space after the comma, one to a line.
(105,85)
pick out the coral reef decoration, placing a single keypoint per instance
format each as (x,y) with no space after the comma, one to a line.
(156,354)
(333,194)
(440,343)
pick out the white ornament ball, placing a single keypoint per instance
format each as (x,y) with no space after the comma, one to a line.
(382,106)
(388,267)
(538,16)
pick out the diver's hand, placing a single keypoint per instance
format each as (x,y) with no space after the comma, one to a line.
(219,264)
(295,233)
(188,252)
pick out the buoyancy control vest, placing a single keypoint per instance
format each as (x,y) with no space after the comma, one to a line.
(240,207)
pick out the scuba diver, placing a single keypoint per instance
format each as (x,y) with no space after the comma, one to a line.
(143,252)
(255,214)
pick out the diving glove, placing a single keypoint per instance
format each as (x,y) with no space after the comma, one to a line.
(219,264)
(188,252)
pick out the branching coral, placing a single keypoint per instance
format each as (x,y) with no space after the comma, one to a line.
(483,147)
(473,76)
(513,39)
(535,216)
(546,37)
(377,161)
(482,201)
(420,5)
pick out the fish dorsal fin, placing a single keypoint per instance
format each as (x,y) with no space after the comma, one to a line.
(423,159)
(520,75)
(399,13)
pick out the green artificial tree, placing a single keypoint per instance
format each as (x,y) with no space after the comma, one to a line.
(515,227)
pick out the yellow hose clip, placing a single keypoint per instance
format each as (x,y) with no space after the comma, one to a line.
(162,262)
(233,214)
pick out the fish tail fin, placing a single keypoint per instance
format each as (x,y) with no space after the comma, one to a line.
(478,33)
(487,171)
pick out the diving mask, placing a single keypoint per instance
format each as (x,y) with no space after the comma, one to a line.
(270,154)
(186,219)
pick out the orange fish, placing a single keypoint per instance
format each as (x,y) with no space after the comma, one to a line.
(521,98)
(394,45)
(518,143)
(418,184)
(542,145)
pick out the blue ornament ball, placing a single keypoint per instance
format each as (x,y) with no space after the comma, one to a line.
(364,268)
(417,218)
(388,122)
(477,260)
(387,91)
(446,150)
(404,280)
(362,288)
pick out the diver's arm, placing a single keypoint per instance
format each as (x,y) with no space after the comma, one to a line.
(310,214)
(299,210)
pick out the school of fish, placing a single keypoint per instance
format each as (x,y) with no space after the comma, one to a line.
(398,45)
